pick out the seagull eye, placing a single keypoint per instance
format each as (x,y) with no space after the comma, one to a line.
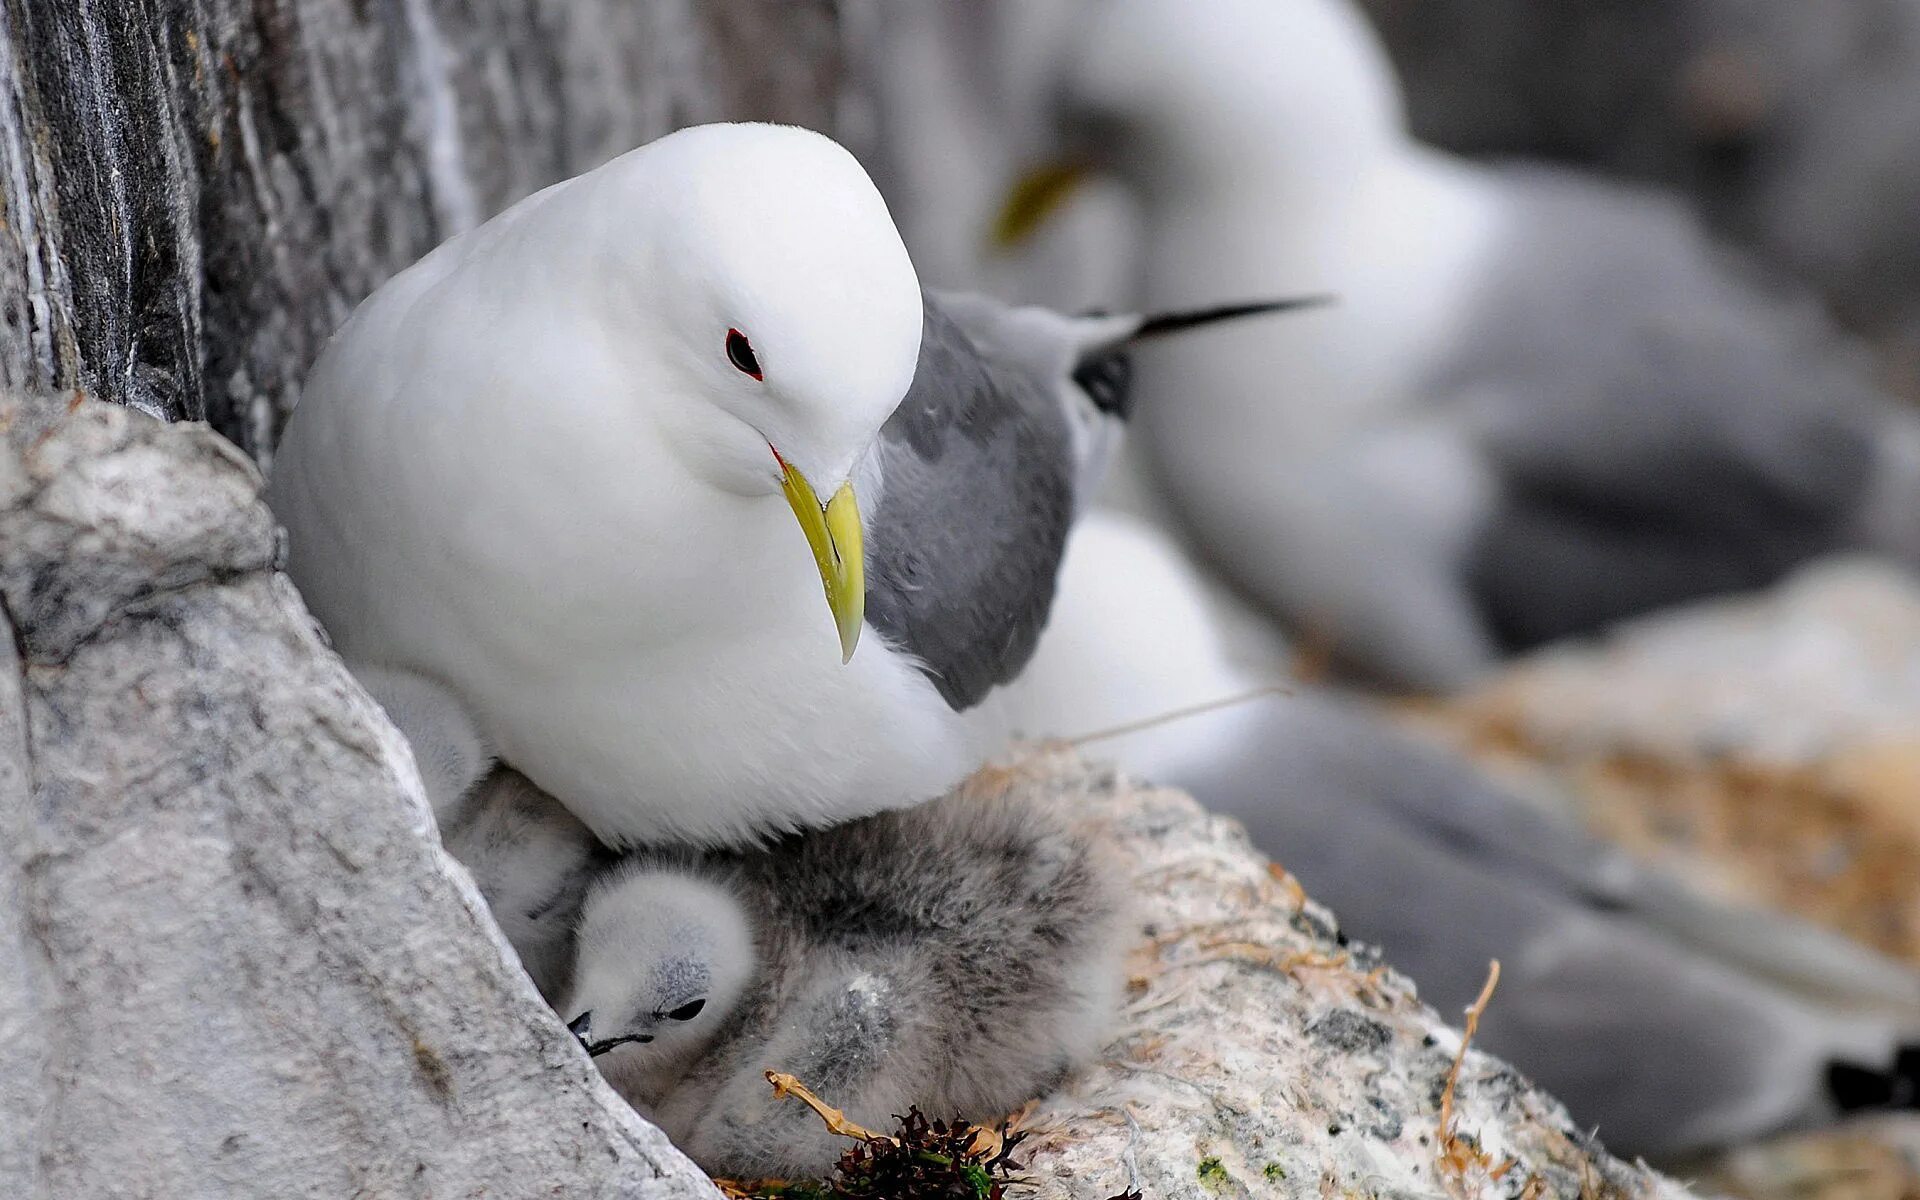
(688,1011)
(740,354)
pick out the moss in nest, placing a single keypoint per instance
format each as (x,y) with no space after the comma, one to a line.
(920,1160)
(1213,1174)
(1274,1172)
(928,1160)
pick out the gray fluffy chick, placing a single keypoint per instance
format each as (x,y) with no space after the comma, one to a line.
(962,956)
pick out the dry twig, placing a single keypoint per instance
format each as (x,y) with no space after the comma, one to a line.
(785,1085)
(1454,1157)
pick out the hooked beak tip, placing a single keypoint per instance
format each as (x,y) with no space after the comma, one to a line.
(834,534)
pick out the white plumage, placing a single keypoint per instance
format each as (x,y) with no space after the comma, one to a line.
(527,470)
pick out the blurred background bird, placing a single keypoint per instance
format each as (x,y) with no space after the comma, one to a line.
(1623,322)
(1544,402)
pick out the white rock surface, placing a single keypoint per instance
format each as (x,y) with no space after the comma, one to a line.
(1828,660)
(1765,746)
(233,960)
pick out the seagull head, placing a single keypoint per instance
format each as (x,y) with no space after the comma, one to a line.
(662,958)
(1173,97)
(755,272)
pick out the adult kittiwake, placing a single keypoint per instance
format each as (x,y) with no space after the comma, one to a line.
(1672,1022)
(542,491)
(1543,402)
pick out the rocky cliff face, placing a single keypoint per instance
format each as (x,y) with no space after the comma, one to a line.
(1763,748)
(197,192)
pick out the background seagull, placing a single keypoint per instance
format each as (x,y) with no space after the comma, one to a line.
(1543,402)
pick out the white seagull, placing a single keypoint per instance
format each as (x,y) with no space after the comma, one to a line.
(1543,402)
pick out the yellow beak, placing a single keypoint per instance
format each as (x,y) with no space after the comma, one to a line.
(1034,198)
(833,530)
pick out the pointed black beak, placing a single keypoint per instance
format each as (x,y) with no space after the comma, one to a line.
(596,1049)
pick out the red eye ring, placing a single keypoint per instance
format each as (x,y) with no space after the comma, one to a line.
(740,354)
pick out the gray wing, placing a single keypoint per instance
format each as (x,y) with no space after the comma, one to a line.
(977,469)
(1671,1022)
(1663,425)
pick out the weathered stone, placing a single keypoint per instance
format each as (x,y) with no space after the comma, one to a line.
(233,959)
(1875,1158)
(1764,745)
(1259,1056)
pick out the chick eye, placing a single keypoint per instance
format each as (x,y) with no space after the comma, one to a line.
(740,354)
(688,1011)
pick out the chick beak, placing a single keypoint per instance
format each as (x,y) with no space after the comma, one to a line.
(1033,198)
(833,531)
(581,1027)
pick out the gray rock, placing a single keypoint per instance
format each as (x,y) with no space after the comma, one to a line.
(233,959)
(1760,746)
(1261,1056)
(197,192)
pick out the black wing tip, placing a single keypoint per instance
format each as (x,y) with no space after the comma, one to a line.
(1160,324)
(1854,1088)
